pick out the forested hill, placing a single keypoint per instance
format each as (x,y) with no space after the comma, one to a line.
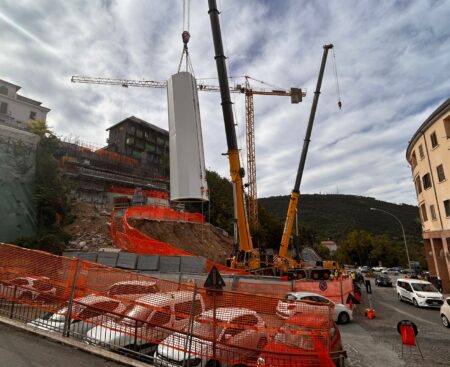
(334,216)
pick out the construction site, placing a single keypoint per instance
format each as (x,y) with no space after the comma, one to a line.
(144,276)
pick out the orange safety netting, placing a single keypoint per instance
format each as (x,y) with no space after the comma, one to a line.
(171,321)
(108,154)
(130,192)
(132,240)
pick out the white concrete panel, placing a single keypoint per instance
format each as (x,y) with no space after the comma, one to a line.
(187,160)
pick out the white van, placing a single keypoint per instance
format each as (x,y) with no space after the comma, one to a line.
(419,292)
(153,318)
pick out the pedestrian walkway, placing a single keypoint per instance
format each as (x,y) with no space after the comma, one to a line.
(365,351)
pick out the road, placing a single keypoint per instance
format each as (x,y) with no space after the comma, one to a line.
(379,339)
(22,349)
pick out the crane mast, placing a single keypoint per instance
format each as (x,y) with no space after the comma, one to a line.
(292,208)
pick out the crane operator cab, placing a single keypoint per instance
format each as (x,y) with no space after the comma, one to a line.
(247,260)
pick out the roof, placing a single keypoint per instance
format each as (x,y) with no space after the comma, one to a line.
(228,313)
(410,280)
(141,122)
(444,107)
(158,299)
(17,87)
(305,294)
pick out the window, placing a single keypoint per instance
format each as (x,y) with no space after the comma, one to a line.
(4,107)
(447,126)
(32,115)
(183,309)
(424,212)
(3,90)
(418,185)
(433,212)
(433,138)
(440,173)
(447,208)
(161,317)
(426,181)
(413,160)
(422,155)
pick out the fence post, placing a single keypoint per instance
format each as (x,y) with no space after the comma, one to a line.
(11,312)
(66,328)
(342,294)
(190,329)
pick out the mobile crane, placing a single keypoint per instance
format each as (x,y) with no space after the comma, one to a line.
(286,264)
(245,257)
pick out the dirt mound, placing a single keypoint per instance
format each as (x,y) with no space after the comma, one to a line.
(89,230)
(202,240)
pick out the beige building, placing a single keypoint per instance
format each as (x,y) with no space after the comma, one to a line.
(428,154)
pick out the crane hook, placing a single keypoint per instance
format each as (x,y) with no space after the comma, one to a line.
(185,36)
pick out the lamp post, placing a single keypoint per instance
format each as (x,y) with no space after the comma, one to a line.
(403,231)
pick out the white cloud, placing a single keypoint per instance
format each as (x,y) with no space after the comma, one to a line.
(392,59)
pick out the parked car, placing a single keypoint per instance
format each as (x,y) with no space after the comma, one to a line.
(291,305)
(298,343)
(132,289)
(87,312)
(383,280)
(365,269)
(153,318)
(28,288)
(239,338)
(445,313)
(419,292)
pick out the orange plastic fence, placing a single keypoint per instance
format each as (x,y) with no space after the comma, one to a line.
(105,153)
(129,191)
(153,212)
(123,309)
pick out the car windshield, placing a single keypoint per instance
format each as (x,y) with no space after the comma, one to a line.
(290,297)
(424,287)
(295,336)
(203,328)
(134,312)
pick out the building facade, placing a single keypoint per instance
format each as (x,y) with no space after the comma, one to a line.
(142,141)
(16,110)
(428,153)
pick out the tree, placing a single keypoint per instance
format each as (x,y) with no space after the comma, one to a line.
(51,194)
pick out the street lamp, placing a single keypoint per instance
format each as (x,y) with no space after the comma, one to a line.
(403,231)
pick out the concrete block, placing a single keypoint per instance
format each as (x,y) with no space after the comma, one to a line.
(192,264)
(107,258)
(148,262)
(169,264)
(127,260)
(88,256)
(71,254)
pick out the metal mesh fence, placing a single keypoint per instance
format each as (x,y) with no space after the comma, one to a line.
(173,324)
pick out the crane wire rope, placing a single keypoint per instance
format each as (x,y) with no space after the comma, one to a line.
(338,92)
(185,35)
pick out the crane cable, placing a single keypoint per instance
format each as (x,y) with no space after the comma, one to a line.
(185,37)
(338,92)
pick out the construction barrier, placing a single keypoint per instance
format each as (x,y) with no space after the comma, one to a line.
(173,324)
(130,192)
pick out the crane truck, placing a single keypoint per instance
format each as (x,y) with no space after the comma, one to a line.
(286,264)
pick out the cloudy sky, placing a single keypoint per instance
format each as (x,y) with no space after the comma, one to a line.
(392,57)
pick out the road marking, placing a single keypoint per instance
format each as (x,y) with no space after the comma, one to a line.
(405,313)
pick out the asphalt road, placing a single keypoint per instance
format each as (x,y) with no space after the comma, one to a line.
(383,339)
(22,349)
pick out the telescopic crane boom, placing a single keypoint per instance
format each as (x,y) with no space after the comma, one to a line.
(247,257)
(292,208)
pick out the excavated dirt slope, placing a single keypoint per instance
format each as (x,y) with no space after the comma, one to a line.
(203,240)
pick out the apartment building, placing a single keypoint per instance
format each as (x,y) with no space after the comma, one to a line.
(428,153)
(16,110)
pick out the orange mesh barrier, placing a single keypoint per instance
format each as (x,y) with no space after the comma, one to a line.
(152,212)
(129,191)
(132,240)
(167,320)
(104,153)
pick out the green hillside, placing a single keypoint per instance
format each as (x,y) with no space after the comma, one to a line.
(333,216)
(364,235)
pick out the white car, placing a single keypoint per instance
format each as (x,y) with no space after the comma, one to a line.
(445,313)
(28,288)
(291,305)
(236,340)
(151,319)
(419,292)
(87,312)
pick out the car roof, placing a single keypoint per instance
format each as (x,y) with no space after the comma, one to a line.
(158,299)
(413,281)
(228,313)
(305,294)
(133,282)
(92,299)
